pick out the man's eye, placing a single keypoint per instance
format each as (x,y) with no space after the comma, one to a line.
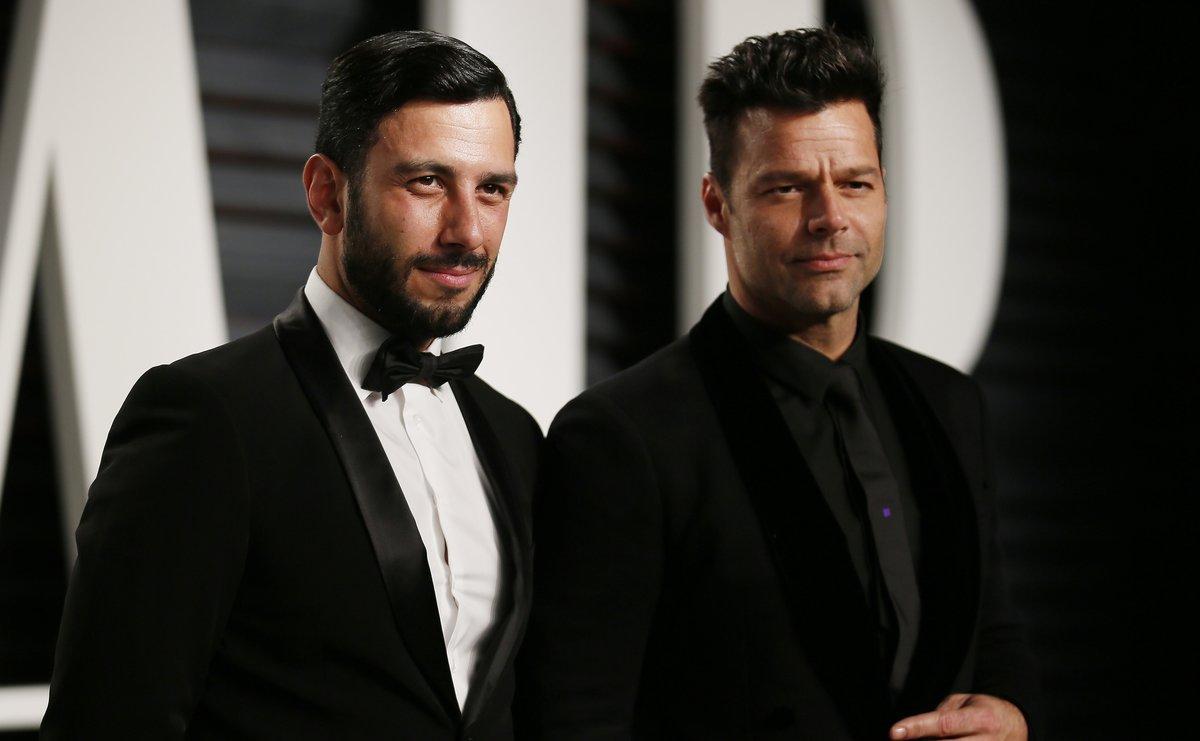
(425,181)
(784,189)
(494,189)
(858,185)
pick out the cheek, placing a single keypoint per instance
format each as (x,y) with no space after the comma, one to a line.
(769,239)
(493,223)
(744,237)
(405,226)
(877,241)
(872,219)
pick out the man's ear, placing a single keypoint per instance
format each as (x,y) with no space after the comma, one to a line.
(323,186)
(716,205)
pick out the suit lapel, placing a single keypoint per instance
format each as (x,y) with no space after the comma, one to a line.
(394,537)
(511,525)
(949,578)
(828,608)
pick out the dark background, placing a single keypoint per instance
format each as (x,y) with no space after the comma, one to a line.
(1088,368)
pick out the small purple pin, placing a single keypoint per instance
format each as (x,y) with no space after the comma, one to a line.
(887,511)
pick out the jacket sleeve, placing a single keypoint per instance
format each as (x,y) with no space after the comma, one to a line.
(160,551)
(597,578)
(1005,666)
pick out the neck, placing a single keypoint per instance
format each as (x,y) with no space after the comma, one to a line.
(327,271)
(831,335)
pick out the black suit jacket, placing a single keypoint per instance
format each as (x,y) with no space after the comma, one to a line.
(692,583)
(248,567)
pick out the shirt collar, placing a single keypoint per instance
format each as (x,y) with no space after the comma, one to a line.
(794,364)
(354,337)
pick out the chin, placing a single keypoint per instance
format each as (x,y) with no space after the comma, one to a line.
(826,304)
(818,306)
(456,302)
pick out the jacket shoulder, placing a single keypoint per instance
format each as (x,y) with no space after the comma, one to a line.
(664,369)
(200,378)
(249,378)
(244,357)
(663,393)
(923,364)
(251,372)
(935,379)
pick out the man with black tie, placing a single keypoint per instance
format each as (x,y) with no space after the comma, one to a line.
(778,526)
(320,531)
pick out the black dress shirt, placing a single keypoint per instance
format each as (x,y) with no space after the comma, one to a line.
(798,377)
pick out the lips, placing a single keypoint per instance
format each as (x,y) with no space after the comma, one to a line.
(825,263)
(456,277)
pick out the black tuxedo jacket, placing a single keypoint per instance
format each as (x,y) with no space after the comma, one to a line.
(248,567)
(691,582)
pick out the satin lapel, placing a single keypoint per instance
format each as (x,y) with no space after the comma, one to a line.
(828,608)
(949,578)
(513,530)
(393,532)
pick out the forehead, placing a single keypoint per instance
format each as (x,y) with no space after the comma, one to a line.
(840,134)
(476,132)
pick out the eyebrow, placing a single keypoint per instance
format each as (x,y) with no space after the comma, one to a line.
(507,177)
(858,172)
(848,172)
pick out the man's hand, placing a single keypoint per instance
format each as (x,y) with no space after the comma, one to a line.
(975,717)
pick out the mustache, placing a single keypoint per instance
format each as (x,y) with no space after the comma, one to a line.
(468,260)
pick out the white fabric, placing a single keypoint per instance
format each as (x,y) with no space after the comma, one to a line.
(426,440)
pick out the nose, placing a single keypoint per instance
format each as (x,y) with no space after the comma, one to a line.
(461,227)
(826,216)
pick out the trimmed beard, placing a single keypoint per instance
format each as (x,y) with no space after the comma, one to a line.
(379,279)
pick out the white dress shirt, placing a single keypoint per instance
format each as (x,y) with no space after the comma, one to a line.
(426,440)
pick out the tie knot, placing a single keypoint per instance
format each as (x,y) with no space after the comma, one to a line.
(844,386)
(429,367)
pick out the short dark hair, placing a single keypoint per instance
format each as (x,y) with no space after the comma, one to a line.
(803,70)
(382,73)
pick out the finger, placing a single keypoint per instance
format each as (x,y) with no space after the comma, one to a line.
(946,724)
(954,702)
(913,726)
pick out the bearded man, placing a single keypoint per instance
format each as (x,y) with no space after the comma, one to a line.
(321,530)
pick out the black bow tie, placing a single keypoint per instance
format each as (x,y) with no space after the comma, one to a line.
(398,363)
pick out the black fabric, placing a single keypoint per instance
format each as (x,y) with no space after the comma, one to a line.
(798,378)
(881,495)
(397,362)
(248,568)
(692,581)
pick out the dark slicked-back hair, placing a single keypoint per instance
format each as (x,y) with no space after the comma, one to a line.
(379,75)
(803,70)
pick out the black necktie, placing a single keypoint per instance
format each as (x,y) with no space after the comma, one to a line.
(869,461)
(397,362)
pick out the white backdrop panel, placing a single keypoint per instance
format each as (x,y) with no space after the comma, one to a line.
(104,185)
(946,180)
